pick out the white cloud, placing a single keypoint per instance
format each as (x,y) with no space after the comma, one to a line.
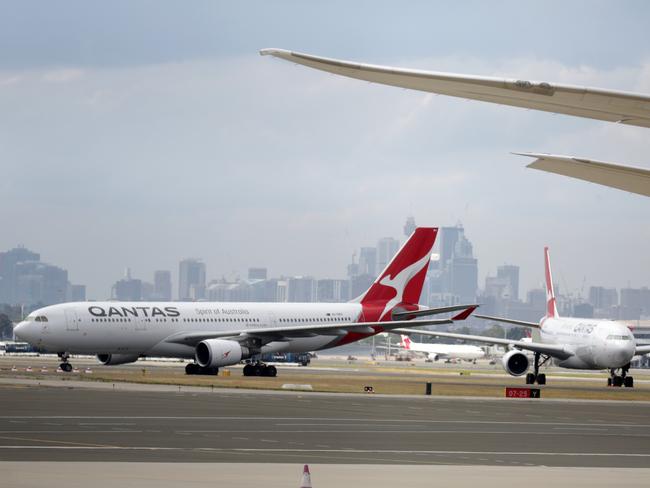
(250,161)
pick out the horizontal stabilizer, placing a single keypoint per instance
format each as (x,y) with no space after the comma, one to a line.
(404,315)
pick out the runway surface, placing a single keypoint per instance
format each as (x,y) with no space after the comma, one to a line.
(84,424)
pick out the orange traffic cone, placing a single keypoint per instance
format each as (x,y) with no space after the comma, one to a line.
(306,477)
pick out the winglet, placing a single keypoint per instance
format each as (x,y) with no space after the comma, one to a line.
(465,313)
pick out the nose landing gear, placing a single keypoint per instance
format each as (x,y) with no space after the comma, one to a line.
(536,376)
(622,380)
(65,364)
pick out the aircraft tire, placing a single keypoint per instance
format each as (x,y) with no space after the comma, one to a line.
(541,379)
(248,370)
(628,381)
(270,371)
(67,367)
(530,379)
(617,381)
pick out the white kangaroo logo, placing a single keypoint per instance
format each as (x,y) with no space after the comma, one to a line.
(399,282)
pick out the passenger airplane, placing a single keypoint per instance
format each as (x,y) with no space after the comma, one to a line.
(571,342)
(442,351)
(223,334)
(595,103)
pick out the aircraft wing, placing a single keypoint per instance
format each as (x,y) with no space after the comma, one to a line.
(549,349)
(269,334)
(594,103)
(628,178)
(645,349)
(523,323)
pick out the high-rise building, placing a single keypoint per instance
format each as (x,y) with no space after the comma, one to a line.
(387,247)
(510,273)
(257,273)
(191,280)
(162,285)
(410,226)
(368,261)
(603,298)
(301,289)
(462,271)
(39,283)
(332,291)
(635,303)
(127,289)
(8,277)
(448,239)
(76,293)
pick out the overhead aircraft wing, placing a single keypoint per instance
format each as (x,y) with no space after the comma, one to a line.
(549,349)
(645,349)
(628,178)
(268,334)
(523,323)
(594,103)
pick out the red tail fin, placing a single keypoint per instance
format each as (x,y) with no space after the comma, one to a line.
(551,307)
(406,342)
(401,282)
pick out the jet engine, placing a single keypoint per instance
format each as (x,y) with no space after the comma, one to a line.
(214,353)
(113,359)
(432,356)
(515,363)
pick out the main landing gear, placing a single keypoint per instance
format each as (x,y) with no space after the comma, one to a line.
(536,376)
(622,380)
(65,365)
(193,368)
(260,369)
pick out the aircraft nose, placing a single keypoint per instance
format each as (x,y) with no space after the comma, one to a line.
(24,331)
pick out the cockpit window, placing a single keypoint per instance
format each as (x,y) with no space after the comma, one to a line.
(614,337)
(43,318)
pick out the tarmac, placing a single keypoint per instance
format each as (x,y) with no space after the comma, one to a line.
(138,423)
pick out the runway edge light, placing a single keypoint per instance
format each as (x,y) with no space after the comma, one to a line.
(306,477)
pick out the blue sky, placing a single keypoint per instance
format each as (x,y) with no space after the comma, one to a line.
(138,133)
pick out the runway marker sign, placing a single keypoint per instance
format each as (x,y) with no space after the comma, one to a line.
(522,392)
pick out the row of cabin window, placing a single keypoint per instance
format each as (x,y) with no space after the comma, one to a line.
(175,320)
(316,320)
(129,320)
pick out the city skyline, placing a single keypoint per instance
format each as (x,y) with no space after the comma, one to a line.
(452,278)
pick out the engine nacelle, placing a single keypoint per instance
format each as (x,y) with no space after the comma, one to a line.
(515,363)
(113,359)
(214,353)
(432,356)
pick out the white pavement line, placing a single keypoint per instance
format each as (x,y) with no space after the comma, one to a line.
(344,450)
(297,421)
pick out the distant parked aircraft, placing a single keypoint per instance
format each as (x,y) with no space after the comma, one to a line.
(442,351)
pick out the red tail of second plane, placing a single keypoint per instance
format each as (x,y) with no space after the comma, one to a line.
(551,306)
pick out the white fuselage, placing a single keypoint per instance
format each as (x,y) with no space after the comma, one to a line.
(596,344)
(447,351)
(141,328)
